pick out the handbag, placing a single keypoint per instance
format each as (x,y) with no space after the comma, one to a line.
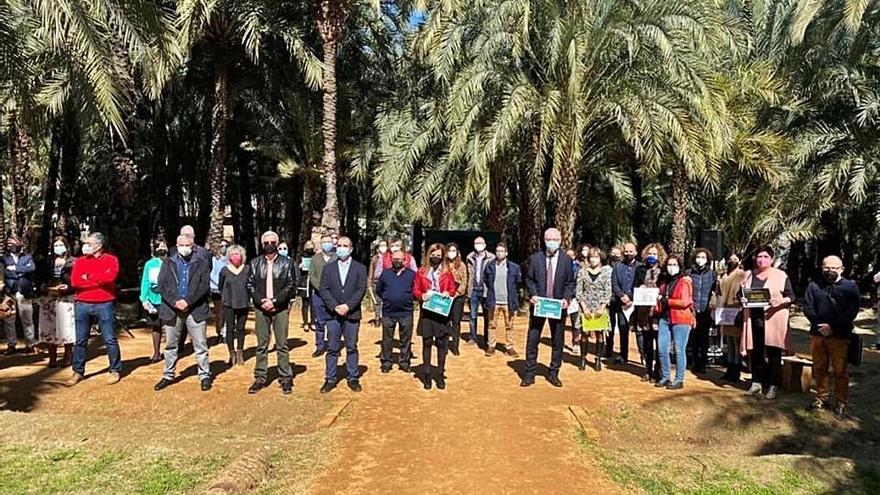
(7,307)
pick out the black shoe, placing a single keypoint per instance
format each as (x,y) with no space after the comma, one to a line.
(527,382)
(661,383)
(598,364)
(287,386)
(555,381)
(619,360)
(455,352)
(355,386)
(385,369)
(840,412)
(404,368)
(441,382)
(161,384)
(318,352)
(426,381)
(207,383)
(675,386)
(259,384)
(327,387)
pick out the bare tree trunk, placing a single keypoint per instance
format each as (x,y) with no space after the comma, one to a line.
(247,235)
(19,174)
(70,148)
(680,201)
(218,148)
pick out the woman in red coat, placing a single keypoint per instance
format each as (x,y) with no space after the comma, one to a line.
(434,327)
(675,306)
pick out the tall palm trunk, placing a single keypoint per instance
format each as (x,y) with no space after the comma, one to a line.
(248,231)
(680,202)
(531,207)
(124,221)
(51,192)
(308,212)
(218,147)
(332,15)
(566,202)
(495,218)
(70,147)
(19,174)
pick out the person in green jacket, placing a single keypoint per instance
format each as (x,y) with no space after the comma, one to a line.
(150,297)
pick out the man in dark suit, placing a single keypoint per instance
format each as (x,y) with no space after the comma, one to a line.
(550,274)
(185,287)
(343,285)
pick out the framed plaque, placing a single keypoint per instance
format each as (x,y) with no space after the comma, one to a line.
(756,298)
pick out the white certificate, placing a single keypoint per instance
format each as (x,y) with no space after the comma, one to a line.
(645,296)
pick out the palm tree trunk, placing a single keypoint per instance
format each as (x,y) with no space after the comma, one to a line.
(531,207)
(566,203)
(308,211)
(495,218)
(247,236)
(70,148)
(51,193)
(19,174)
(680,201)
(218,148)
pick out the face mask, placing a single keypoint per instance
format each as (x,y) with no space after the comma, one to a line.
(652,259)
(270,247)
(59,250)
(396,264)
(594,262)
(283,251)
(223,250)
(184,251)
(480,247)
(343,252)
(731,265)
(235,259)
(701,261)
(552,246)
(585,253)
(452,255)
(435,261)
(383,249)
(830,276)
(629,257)
(395,248)
(309,252)
(672,270)
(327,247)
(87,249)
(763,262)
(161,252)
(500,255)
(615,258)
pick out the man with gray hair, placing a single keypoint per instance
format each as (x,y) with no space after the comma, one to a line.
(272,284)
(93,279)
(185,288)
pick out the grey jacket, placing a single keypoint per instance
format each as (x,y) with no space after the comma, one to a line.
(472,271)
(198,293)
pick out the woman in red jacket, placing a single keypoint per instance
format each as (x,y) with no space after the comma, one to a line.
(434,327)
(675,306)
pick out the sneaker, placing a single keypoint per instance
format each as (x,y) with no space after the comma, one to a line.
(490,352)
(355,386)
(771,392)
(512,353)
(661,383)
(675,386)
(207,383)
(287,386)
(840,412)
(756,389)
(74,379)
(259,384)
(113,378)
(818,405)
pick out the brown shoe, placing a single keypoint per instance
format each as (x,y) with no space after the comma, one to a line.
(73,380)
(113,378)
(512,352)
(490,352)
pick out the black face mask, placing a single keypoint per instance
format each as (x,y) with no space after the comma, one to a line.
(270,248)
(435,261)
(830,276)
(629,257)
(732,265)
(309,252)
(397,265)
(615,259)
(161,252)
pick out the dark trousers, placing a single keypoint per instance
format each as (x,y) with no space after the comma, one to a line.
(406,329)
(340,328)
(268,324)
(306,307)
(766,361)
(321,316)
(455,315)
(700,340)
(557,338)
(623,329)
(476,300)
(612,318)
(649,344)
(442,344)
(235,320)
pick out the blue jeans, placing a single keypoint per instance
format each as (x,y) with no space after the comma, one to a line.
(321,316)
(679,334)
(476,300)
(337,329)
(85,314)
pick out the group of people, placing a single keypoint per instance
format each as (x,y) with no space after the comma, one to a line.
(596,293)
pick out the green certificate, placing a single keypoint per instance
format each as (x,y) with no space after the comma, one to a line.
(548,308)
(438,303)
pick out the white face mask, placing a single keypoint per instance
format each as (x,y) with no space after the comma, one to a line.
(480,247)
(383,249)
(395,248)
(672,270)
(452,255)
(701,261)
(184,251)
(87,249)
(585,253)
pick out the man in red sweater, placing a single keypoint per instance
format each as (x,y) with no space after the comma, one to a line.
(94,281)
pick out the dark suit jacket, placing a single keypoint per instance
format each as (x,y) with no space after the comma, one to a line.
(563,280)
(197,294)
(334,293)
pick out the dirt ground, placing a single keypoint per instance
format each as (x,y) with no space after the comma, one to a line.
(484,433)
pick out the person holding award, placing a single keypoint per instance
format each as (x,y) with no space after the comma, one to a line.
(57,323)
(647,321)
(432,280)
(150,297)
(550,284)
(765,322)
(593,295)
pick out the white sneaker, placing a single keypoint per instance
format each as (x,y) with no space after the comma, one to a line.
(771,392)
(756,389)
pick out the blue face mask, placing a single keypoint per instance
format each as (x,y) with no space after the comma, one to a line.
(327,247)
(651,259)
(552,246)
(343,252)
(283,251)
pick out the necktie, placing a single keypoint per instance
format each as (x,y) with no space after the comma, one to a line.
(270,280)
(549,292)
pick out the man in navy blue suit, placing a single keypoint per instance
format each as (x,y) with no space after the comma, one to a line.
(550,274)
(343,285)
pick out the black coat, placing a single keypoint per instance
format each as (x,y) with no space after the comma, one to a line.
(284,279)
(198,293)
(563,281)
(334,293)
